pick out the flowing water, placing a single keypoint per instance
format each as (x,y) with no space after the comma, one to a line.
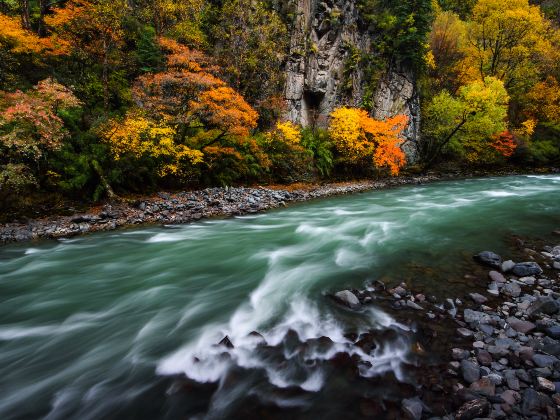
(127,324)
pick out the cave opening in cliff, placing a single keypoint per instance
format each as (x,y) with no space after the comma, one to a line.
(312,101)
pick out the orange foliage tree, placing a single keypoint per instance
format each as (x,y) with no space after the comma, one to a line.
(359,137)
(504,144)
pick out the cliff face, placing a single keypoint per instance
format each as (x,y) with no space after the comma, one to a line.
(324,72)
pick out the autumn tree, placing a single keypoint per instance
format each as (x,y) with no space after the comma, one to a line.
(359,137)
(31,127)
(509,40)
(465,123)
(251,43)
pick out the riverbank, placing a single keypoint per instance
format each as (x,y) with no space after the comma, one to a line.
(189,206)
(501,358)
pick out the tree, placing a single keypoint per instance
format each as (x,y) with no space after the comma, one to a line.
(251,43)
(359,137)
(508,40)
(464,124)
(544,101)
(31,127)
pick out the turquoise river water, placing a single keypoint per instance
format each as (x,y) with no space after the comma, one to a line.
(126,324)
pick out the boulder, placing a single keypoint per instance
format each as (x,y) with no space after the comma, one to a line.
(518,325)
(544,305)
(543,360)
(511,289)
(489,258)
(478,298)
(484,387)
(497,277)
(475,317)
(413,408)
(527,269)
(507,266)
(347,298)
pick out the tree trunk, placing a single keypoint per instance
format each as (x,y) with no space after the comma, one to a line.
(25,14)
(108,189)
(44,8)
(105,75)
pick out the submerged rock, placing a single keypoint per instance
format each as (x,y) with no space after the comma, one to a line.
(489,258)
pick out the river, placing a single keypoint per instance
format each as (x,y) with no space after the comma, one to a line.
(111,325)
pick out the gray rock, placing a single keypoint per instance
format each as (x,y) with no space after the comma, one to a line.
(507,266)
(512,380)
(475,317)
(470,371)
(497,277)
(459,354)
(533,402)
(511,289)
(526,269)
(510,397)
(553,331)
(484,358)
(346,297)
(413,305)
(489,258)
(465,332)
(413,408)
(478,298)
(545,305)
(495,378)
(518,325)
(543,360)
(483,387)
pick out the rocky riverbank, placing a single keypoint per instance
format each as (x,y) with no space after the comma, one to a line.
(186,207)
(502,355)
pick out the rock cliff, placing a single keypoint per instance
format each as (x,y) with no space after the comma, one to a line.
(325,69)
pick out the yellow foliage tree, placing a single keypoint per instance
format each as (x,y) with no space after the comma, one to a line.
(139,137)
(357,137)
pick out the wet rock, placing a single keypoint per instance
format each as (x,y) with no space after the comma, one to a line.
(475,317)
(473,409)
(413,408)
(534,402)
(526,269)
(545,385)
(507,266)
(478,298)
(459,354)
(226,342)
(413,305)
(518,325)
(489,258)
(553,331)
(497,277)
(543,305)
(484,387)
(470,371)
(543,360)
(511,289)
(484,358)
(464,332)
(346,297)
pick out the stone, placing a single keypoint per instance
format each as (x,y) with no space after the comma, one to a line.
(543,360)
(495,378)
(470,371)
(346,297)
(473,409)
(529,281)
(533,401)
(478,298)
(489,258)
(464,332)
(475,317)
(497,277)
(484,358)
(545,385)
(459,354)
(226,342)
(510,397)
(518,325)
(511,289)
(543,305)
(483,387)
(512,380)
(413,305)
(526,269)
(413,408)
(507,266)
(553,331)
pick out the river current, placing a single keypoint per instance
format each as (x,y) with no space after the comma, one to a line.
(126,324)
